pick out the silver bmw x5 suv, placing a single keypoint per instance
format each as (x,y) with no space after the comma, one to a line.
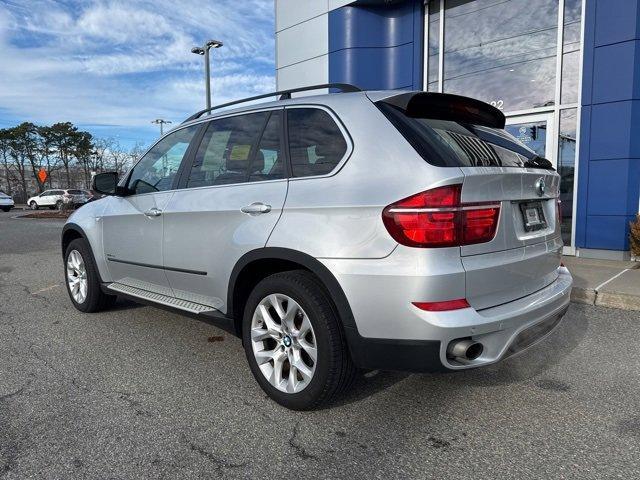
(332,233)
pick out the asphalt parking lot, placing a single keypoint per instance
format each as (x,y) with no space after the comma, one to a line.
(139,392)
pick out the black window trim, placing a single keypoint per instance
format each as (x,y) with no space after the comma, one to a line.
(181,179)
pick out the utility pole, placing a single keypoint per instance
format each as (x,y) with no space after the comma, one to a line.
(161,122)
(165,163)
(204,51)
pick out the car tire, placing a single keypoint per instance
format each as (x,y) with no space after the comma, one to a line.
(6,209)
(332,372)
(58,205)
(33,205)
(86,273)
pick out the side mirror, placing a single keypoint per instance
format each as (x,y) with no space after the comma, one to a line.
(106,184)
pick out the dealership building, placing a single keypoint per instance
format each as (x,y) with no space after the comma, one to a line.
(566,74)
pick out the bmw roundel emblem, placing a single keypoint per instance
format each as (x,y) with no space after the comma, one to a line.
(541,187)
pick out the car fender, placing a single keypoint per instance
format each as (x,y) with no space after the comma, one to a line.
(87,222)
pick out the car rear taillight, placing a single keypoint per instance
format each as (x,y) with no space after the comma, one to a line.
(437,218)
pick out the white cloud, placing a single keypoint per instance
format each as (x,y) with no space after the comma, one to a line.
(126,62)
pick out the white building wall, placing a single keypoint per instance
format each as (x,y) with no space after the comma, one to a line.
(302,41)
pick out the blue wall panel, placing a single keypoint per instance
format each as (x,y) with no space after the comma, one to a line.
(610,130)
(371,69)
(604,232)
(609,164)
(614,73)
(377,46)
(613,180)
(617,21)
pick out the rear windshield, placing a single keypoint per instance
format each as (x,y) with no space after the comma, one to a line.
(446,143)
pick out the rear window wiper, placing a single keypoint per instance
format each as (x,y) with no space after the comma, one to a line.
(539,162)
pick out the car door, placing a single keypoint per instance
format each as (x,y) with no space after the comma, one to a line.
(132,224)
(232,197)
(45,199)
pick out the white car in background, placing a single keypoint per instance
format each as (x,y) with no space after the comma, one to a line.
(6,202)
(57,198)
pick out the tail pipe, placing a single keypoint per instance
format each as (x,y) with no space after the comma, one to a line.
(464,350)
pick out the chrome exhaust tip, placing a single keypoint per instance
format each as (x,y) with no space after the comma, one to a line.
(464,350)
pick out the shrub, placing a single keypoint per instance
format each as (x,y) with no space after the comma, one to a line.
(634,236)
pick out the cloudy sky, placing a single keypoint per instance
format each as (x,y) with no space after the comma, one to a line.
(112,66)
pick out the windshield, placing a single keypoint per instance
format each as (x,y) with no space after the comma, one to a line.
(447,143)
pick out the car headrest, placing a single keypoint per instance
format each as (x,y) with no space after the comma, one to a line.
(238,161)
(329,151)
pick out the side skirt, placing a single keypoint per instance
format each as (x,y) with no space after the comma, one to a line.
(212,317)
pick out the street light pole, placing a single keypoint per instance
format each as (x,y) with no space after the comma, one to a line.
(161,122)
(204,51)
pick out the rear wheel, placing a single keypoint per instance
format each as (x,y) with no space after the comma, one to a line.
(33,205)
(58,205)
(82,280)
(6,209)
(294,341)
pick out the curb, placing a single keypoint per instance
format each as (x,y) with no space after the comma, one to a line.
(621,301)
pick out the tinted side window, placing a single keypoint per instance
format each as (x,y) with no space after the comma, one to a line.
(156,171)
(316,143)
(233,151)
(269,154)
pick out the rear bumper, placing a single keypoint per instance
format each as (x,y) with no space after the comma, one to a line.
(503,331)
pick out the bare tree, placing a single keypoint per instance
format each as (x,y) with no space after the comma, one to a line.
(5,135)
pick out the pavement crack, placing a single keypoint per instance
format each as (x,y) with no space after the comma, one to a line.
(17,393)
(219,463)
(299,450)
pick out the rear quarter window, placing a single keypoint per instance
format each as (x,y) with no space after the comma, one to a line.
(316,144)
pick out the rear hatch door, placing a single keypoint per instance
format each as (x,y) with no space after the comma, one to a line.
(525,254)
(454,131)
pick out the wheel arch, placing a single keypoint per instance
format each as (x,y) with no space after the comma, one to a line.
(71,232)
(258,264)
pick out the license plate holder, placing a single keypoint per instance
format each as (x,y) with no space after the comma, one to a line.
(533,216)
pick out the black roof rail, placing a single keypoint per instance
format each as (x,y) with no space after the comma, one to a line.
(284,95)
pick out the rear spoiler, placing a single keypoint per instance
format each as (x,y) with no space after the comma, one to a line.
(444,106)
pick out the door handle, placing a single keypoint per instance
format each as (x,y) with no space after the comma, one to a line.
(256,208)
(153,212)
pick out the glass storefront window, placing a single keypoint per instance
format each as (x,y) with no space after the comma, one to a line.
(502,52)
(571,51)
(566,168)
(434,45)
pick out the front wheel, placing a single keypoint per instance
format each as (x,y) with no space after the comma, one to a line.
(33,205)
(82,280)
(294,341)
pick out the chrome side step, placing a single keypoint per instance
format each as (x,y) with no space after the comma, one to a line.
(185,305)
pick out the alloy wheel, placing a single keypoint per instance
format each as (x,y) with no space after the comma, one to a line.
(77,277)
(284,343)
